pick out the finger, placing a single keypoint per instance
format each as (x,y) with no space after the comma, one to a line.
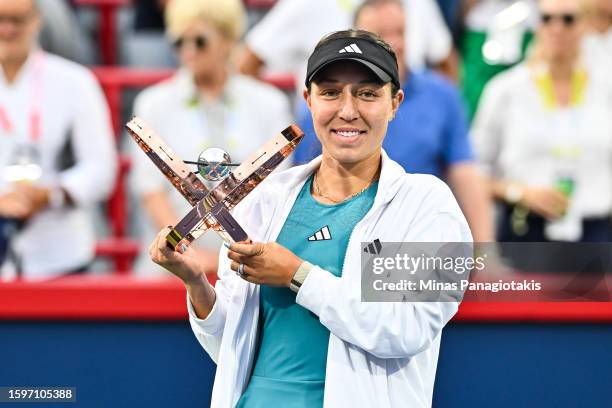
(26,193)
(549,212)
(559,201)
(246,270)
(17,209)
(255,248)
(161,239)
(237,257)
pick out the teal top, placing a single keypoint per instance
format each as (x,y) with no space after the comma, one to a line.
(289,368)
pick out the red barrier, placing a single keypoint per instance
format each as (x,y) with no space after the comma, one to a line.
(125,298)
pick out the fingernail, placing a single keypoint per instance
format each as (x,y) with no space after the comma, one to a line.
(183,248)
(225,244)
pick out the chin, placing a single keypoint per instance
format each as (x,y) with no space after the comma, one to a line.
(349,157)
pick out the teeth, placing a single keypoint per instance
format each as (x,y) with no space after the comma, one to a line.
(348,134)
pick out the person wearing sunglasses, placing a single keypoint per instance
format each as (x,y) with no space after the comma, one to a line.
(205,104)
(286,322)
(543,134)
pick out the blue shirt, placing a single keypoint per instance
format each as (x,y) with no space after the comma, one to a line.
(429,132)
(289,368)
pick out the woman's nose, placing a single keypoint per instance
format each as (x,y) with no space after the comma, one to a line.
(348,109)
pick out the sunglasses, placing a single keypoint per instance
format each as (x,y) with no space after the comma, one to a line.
(199,41)
(567,19)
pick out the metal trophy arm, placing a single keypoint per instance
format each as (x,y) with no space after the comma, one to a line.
(211,209)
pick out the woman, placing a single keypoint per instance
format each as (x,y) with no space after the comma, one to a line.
(324,346)
(204,105)
(543,135)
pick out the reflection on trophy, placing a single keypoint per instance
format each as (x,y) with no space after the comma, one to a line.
(211,208)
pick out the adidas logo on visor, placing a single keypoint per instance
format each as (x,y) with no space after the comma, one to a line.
(350,48)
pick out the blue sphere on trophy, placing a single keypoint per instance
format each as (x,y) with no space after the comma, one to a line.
(214,164)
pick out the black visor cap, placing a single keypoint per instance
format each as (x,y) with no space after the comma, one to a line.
(367,52)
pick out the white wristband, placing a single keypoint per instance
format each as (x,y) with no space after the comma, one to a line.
(300,276)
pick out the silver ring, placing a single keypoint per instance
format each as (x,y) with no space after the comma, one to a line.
(240,271)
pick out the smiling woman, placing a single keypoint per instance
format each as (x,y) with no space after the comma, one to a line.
(289,327)
(352,97)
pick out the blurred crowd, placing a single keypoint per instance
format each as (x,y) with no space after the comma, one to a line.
(508,101)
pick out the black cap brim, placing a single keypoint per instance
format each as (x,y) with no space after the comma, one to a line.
(378,72)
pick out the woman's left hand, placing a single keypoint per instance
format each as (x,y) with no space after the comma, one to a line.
(264,264)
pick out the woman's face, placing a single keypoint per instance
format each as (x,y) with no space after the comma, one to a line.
(560,28)
(202,47)
(350,111)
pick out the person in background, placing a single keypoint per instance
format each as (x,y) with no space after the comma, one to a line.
(284,38)
(496,36)
(430,132)
(205,104)
(57,153)
(543,134)
(61,34)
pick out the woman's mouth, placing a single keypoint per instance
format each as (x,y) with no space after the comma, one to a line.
(348,135)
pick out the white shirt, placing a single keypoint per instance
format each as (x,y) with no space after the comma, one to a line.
(380,354)
(72,109)
(515,137)
(249,113)
(597,49)
(287,35)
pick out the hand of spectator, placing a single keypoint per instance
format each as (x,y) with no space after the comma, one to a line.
(547,202)
(24,201)
(264,264)
(14,205)
(186,266)
(36,196)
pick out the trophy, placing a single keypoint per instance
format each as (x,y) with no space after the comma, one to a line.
(211,208)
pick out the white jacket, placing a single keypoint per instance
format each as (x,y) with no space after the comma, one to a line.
(380,354)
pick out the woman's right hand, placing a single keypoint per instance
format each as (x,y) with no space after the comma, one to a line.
(186,266)
(544,201)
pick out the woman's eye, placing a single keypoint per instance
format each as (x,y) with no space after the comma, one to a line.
(329,93)
(367,94)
